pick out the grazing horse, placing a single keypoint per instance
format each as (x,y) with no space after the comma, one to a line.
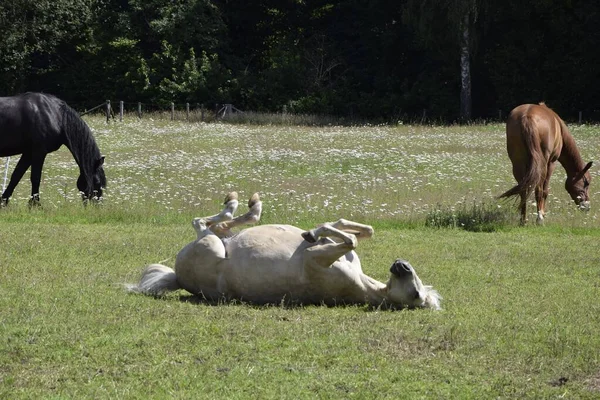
(536,137)
(35,124)
(269,264)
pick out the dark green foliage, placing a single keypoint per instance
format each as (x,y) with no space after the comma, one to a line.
(380,60)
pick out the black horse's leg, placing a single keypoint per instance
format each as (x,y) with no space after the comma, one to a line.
(37,164)
(20,168)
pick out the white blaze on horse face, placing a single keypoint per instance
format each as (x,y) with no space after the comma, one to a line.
(585,205)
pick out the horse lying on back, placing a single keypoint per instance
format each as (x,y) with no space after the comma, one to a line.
(536,137)
(269,264)
(35,124)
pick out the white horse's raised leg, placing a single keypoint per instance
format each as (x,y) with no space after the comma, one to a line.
(201,224)
(325,254)
(223,229)
(361,231)
(328,230)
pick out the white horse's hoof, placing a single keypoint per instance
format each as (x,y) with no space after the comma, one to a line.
(230,196)
(253,200)
(309,236)
(199,224)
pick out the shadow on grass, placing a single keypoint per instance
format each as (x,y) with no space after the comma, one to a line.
(284,304)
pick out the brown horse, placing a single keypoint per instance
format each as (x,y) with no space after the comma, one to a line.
(535,138)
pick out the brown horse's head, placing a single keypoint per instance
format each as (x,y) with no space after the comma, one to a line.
(578,187)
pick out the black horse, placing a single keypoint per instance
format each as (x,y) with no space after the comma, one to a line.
(35,124)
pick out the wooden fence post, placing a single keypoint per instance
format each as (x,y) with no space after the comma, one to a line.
(107,111)
(187,111)
(500,115)
(227,110)
(139,110)
(121,110)
(172,111)
(580,117)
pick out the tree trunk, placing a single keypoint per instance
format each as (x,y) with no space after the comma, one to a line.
(465,71)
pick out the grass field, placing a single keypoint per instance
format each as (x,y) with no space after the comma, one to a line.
(520,312)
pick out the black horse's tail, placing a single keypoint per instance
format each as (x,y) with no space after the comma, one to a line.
(536,166)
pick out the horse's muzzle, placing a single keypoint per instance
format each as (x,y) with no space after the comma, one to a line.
(94,198)
(401,268)
(584,205)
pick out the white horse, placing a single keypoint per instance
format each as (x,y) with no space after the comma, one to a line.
(269,264)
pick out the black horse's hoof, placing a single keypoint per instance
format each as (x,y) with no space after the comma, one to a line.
(34,201)
(3,202)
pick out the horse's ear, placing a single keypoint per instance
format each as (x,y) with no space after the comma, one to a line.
(583,171)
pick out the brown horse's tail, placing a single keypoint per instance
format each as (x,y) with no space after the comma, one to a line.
(536,168)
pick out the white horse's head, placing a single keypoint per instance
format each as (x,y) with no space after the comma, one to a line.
(406,289)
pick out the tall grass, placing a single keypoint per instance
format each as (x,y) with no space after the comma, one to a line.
(476,217)
(369,173)
(286,119)
(520,314)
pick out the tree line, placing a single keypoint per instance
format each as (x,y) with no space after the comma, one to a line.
(376,59)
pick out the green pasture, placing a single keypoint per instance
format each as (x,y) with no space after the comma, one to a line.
(520,318)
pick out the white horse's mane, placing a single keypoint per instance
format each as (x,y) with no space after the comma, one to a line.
(431,298)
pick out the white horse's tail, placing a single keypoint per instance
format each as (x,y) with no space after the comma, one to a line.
(156,280)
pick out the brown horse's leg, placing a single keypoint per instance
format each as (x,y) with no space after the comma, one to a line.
(539,199)
(541,193)
(523,207)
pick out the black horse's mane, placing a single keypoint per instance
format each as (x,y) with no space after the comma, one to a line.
(81,142)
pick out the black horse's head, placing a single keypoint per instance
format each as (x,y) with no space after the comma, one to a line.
(91,186)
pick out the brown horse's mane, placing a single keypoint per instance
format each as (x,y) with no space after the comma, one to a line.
(570,158)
